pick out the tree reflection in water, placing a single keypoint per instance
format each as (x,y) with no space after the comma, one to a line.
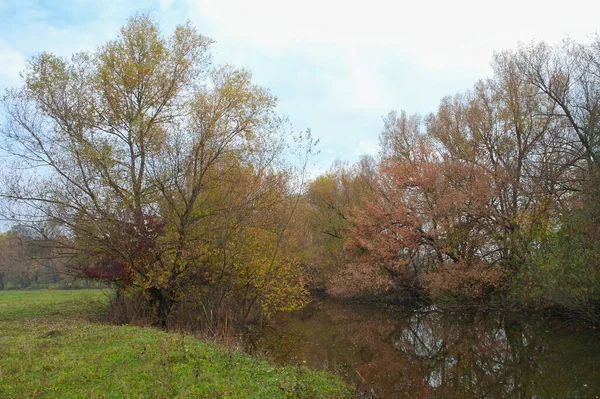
(430,354)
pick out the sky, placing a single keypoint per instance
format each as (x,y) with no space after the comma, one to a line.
(337,66)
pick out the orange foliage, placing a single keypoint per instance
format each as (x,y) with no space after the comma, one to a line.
(428,218)
(468,280)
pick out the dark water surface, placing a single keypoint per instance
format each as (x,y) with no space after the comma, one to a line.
(401,353)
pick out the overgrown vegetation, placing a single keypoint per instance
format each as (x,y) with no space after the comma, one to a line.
(50,349)
(493,197)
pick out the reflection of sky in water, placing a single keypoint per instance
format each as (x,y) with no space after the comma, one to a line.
(434,354)
(420,338)
(435,379)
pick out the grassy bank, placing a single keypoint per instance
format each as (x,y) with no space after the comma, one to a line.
(50,348)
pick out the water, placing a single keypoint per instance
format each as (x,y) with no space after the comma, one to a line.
(401,353)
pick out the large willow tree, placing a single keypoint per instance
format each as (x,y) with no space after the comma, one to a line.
(156,169)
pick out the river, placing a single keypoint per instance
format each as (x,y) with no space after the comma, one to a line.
(391,352)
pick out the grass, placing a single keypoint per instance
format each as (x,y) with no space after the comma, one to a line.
(50,348)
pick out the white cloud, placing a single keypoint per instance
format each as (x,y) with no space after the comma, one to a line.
(11,63)
(337,66)
(360,87)
(446,46)
(367,147)
(165,4)
(438,33)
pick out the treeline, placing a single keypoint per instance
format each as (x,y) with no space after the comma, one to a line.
(27,261)
(496,196)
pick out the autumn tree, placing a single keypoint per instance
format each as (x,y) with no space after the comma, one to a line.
(12,259)
(565,269)
(20,263)
(503,127)
(486,172)
(491,191)
(425,226)
(156,167)
(329,204)
(567,74)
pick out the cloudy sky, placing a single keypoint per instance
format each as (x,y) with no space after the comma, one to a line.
(337,66)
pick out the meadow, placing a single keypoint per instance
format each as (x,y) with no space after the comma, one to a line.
(54,345)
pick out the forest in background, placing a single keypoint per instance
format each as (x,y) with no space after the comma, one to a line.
(144,165)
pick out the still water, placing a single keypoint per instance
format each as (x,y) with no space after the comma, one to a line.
(424,353)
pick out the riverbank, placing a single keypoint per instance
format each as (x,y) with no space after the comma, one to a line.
(54,347)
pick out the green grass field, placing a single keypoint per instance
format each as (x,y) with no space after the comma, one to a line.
(51,348)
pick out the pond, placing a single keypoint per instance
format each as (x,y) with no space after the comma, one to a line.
(424,353)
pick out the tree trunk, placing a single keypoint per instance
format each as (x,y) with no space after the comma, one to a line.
(161,302)
(1,281)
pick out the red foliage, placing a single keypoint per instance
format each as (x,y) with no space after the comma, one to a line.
(109,270)
(467,280)
(428,216)
(141,240)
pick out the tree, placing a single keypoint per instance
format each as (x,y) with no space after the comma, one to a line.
(491,191)
(568,76)
(427,217)
(564,267)
(152,164)
(503,127)
(467,190)
(5,262)
(15,265)
(329,205)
